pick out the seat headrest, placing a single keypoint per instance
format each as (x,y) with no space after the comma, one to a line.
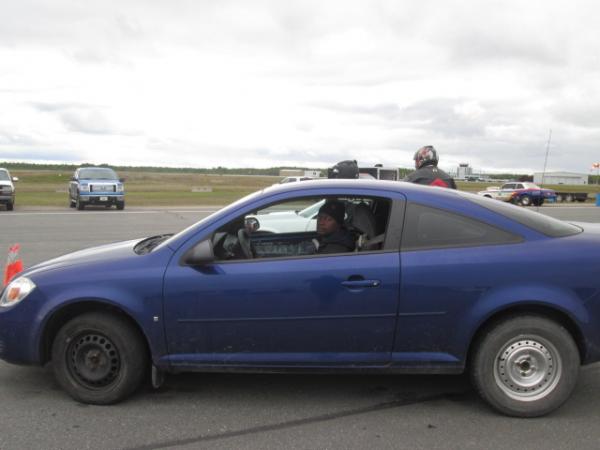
(363,220)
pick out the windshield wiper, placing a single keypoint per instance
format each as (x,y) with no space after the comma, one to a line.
(146,245)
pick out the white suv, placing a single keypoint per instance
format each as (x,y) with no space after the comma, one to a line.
(7,189)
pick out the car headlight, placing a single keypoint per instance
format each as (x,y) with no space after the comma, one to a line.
(120,188)
(84,187)
(16,291)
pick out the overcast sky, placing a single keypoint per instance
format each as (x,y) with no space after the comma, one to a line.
(247,83)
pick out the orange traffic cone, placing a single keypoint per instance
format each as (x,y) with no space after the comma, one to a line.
(13,264)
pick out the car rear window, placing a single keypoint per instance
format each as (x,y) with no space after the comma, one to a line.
(430,228)
(539,222)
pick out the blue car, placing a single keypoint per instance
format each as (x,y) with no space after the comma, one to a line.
(439,281)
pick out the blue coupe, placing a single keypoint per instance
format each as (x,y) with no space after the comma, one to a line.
(439,281)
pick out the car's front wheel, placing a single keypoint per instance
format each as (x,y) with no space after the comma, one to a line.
(525,366)
(121,205)
(79,204)
(10,206)
(99,358)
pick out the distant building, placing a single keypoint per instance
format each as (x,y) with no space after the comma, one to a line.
(312,173)
(380,173)
(291,172)
(299,173)
(561,178)
(463,171)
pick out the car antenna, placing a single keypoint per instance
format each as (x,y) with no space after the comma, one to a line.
(545,164)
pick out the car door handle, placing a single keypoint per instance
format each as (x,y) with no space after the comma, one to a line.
(355,284)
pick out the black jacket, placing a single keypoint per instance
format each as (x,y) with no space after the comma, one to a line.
(431,176)
(340,241)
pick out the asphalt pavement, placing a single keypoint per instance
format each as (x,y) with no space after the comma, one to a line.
(259,411)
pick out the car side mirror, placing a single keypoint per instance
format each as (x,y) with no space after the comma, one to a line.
(15,179)
(200,254)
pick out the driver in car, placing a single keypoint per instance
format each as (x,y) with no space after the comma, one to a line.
(333,236)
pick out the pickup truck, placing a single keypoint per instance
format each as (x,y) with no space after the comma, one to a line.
(7,189)
(96,186)
(522,193)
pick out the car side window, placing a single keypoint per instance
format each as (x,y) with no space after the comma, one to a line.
(289,229)
(429,228)
(520,186)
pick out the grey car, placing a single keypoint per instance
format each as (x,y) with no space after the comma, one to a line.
(7,189)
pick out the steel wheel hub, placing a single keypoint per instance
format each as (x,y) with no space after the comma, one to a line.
(527,369)
(93,360)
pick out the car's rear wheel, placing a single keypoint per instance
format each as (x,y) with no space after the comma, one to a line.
(79,204)
(121,205)
(526,200)
(525,366)
(99,358)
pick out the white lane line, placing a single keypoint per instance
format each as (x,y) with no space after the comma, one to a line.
(87,213)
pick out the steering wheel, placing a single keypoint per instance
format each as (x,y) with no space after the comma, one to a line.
(244,241)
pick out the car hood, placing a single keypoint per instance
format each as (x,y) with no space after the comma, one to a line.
(5,183)
(109,252)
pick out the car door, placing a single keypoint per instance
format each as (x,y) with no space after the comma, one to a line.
(449,261)
(314,310)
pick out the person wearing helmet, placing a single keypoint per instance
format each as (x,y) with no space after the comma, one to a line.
(426,161)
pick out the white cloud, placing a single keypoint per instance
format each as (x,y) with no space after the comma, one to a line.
(264,83)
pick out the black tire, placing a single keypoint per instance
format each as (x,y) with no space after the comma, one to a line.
(71,203)
(121,205)
(525,366)
(99,358)
(526,200)
(10,206)
(79,204)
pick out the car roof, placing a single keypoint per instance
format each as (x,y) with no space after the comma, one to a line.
(361,183)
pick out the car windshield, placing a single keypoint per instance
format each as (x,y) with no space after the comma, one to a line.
(539,222)
(4,175)
(231,207)
(98,174)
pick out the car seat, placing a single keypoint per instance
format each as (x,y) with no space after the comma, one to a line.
(363,223)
